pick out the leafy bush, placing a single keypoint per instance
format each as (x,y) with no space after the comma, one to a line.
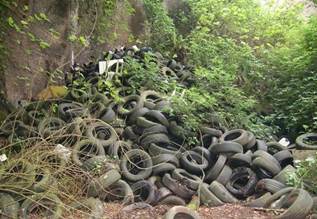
(255,66)
(305,175)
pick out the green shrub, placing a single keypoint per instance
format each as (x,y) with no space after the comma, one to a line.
(305,175)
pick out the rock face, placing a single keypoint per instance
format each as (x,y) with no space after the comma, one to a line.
(31,68)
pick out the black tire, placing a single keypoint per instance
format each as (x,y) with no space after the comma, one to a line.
(162,168)
(95,109)
(142,122)
(240,160)
(17,175)
(129,134)
(118,149)
(154,130)
(101,133)
(85,150)
(156,150)
(43,180)
(266,161)
(302,139)
(221,192)
(260,145)
(251,141)
(9,207)
(191,181)
(260,202)
(205,153)
(130,105)
(181,212)
(51,126)
(214,172)
(157,117)
(143,169)
(154,138)
(211,131)
(193,162)
(242,182)
(172,200)
(298,207)
(274,147)
(165,158)
(144,191)
(283,176)
(107,115)
(94,162)
(91,206)
(237,135)
(162,193)
(98,186)
(177,188)
(136,114)
(269,185)
(48,202)
(226,147)
(207,197)
(284,157)
(69,111)
(263,163)
(120,190)
(224,175)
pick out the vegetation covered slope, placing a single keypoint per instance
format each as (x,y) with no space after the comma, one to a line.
(255,66)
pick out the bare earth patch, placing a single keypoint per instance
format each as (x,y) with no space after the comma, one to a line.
(228,211)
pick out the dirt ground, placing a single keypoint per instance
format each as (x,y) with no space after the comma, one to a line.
(228,211)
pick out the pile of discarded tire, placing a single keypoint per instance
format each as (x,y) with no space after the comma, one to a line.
(134,152)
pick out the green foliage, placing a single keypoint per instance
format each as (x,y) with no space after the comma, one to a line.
(305,175)
(162,33)
(255,67)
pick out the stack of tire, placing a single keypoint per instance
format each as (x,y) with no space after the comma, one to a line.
(134,152)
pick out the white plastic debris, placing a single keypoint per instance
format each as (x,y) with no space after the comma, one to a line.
(104,67)
(284,141)
(63,151)
(135,48)
(3,157)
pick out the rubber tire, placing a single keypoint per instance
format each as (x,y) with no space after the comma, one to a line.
(178,189)
(208,198)
(284,174)
(83,144)
(162,168)
(221,192)
(92,135)
(269,185)
(190,180)
(119,190)
(36,199)
(95,206)
(248,188)
(284,157)
(118,149)
(138,189)
(9,207)
(300,141)
(214,172)
(197,166)
(99,185)
(172,200)
(224,175)
(181,212)
(240,160)
(165,158)
(242,137)
(259,202)
(144,173)
(226,147)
